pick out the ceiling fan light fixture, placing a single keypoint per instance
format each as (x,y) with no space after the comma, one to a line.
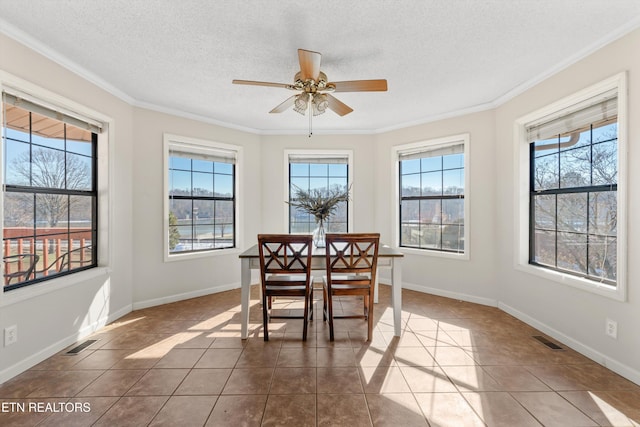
(319,103)
(301,103)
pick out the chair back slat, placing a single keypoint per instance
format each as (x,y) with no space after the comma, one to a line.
(352,261)
(285,270)
(284,253)
(352,253)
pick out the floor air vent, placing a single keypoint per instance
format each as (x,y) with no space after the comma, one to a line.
(551,345)
(77,349)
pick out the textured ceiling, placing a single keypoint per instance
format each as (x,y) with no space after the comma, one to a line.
(440,57)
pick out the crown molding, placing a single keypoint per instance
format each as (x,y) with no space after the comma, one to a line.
(21,37)
(44,50)
(569,61)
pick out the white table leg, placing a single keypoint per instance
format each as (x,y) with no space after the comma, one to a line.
(245,296)
(396,294)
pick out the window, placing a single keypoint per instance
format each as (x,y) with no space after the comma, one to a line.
(432,211)
(50,192)
(572,214)
(573,191)
(201,189)
(319,170)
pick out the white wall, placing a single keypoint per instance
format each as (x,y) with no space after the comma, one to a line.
(472,279)
(50,321)
(275,176)
(156,281)
(575,316)
(140,277)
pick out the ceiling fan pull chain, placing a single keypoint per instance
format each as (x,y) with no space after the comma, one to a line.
(310,120)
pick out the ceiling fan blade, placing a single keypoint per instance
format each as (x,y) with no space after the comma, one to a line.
(309,64)
(285,105)
(338,106)
(254,83)
(379,85)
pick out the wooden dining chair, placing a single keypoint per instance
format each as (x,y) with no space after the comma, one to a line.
(285,271)
(352,260)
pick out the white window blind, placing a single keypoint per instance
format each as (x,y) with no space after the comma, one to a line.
(319,158)
(204,153)
(597,110)
(434,151)
(52,112)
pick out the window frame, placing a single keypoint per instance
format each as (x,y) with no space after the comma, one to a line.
(195,145)
(105,147)
(432,144)
(522,178)
(33,191)
(348,154)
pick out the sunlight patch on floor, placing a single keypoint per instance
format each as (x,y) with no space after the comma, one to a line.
(118,324)
(608,412)
(163,347)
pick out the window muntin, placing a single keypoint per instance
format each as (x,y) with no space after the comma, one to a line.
(50,194)
(432,187)
(321,173)
(202,200)
(324,169)
(567,116)
(573,202)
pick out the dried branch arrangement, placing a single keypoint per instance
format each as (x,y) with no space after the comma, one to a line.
(320,204)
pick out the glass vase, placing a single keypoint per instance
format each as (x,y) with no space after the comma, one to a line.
(318,235)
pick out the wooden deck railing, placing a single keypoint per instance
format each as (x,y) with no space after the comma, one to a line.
(51,257)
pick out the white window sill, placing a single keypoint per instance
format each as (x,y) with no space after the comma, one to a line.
(614,292)
(434,253)
(205,254)
(32,291)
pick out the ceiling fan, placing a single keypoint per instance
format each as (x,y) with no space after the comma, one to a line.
(315,89)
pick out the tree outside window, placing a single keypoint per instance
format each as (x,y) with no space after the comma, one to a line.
(201,199)
(432,188)
(574,200)
(50,196)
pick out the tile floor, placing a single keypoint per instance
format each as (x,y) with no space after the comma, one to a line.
(456,364)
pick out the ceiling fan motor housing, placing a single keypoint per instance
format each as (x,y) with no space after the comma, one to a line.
(312,86)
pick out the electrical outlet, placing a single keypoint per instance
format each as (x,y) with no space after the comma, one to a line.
(10,335)
(611,328)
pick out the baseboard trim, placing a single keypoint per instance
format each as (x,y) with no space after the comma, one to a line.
(606,361)
(56,347)
(183,296)
(449,294)
(620,368)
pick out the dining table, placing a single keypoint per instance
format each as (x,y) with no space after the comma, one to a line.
(388,257)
